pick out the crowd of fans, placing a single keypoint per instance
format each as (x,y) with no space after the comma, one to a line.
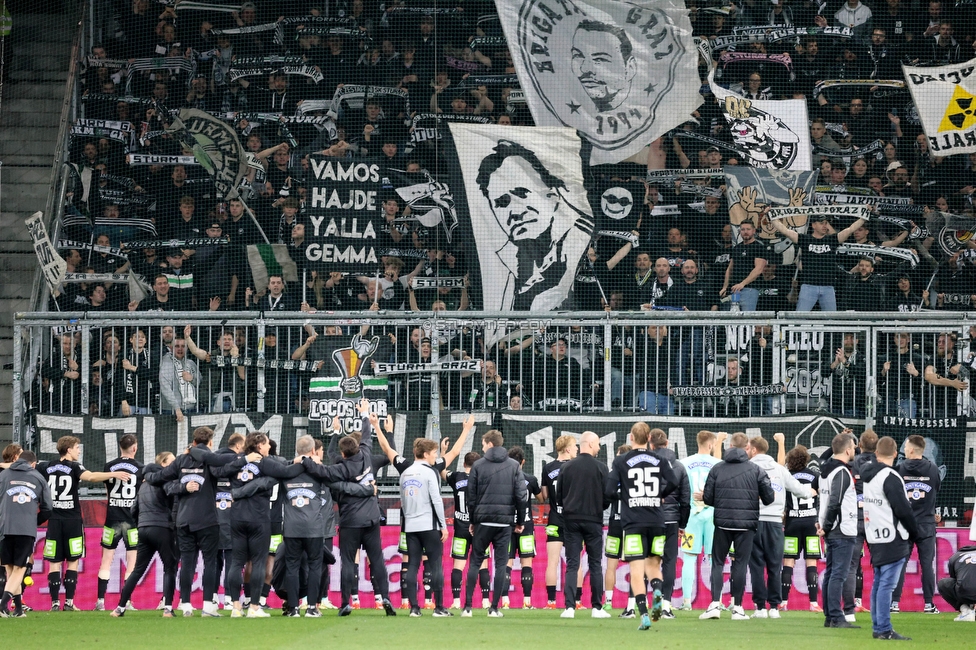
(689,256)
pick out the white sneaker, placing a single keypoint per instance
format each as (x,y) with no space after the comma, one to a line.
(568,613)
(210,610)
(187,609)
(325,603)
(257,613)
(236,613)
(966,615)
(505,602)
(714,611)
(456,604)
(774,613)
(850,618)
(760,613)
(600,613)
(739,614)
(466,612)
(228,602)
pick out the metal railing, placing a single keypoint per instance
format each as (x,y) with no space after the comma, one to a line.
(665,363)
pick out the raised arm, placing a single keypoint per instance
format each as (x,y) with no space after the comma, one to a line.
(455,451)
(792,235)
(844,234)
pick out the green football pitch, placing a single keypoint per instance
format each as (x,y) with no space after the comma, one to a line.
(518,629)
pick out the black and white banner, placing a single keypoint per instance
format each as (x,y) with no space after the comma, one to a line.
(432,200)
(215,145)
(953,232)
(467,365)
(533,225)
(945,97)
(113,130)
(53,266)
(151,159)
(948,444)
(845,212)
(621,73)
(344,212)
(439,282)
(769,134)
(751,191)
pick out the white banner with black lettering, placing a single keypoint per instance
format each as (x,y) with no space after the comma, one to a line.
(53,266)
(621,73)
(467,365)
(945,97)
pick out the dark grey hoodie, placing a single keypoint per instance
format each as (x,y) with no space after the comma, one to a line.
(25,500)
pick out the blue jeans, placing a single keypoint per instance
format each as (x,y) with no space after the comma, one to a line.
(811,294)
(748,299)
(656,403)
(621,387)
(885,578)
(692,350)
(840,549)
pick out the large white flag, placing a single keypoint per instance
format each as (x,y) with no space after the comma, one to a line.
(530,215)
(769,134)
(621,73)
(945,98)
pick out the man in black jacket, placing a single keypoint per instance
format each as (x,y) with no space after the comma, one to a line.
(854,585)
(922,483)
(837,522)
(677,509)
(580,490)
(889,527)
(197,529)
(734,488)
(959,589)
(495,493)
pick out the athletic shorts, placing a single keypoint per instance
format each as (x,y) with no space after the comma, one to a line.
(461,545)
(699,533)
(277,537)
(801,538)
(120,532)
(16,550)
(523,544)
(65,540)
(613,547)
(644,541)
(554,532)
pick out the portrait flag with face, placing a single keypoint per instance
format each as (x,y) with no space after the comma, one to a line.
(621,73)
(530,216)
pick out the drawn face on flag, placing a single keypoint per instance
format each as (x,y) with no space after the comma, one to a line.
(620,73)
(523,204)
(604,63)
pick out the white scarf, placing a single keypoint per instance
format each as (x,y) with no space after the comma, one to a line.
(188,395)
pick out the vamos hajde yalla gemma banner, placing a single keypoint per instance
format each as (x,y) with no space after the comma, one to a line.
(344,213)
